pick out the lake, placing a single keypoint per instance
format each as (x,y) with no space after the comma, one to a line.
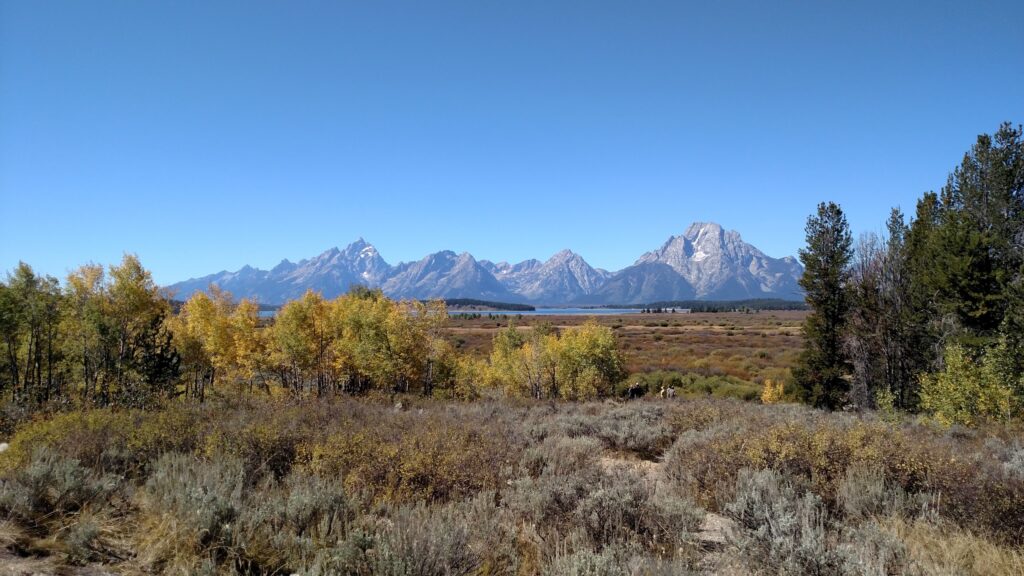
(550,312)
(537,312)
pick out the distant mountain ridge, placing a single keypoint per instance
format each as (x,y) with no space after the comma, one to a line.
(706,262)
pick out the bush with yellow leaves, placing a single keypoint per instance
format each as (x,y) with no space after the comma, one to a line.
(773,391)
(967,390)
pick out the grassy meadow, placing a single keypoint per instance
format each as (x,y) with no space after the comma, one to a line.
(724,353)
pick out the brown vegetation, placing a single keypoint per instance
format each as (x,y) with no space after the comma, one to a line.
(749,347)
(365,486)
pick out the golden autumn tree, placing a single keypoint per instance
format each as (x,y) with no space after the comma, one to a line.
(202,336)
(508,369)
(302,344)
(145,363)
(588,363)
(251,344)
(503,345)
(581,362)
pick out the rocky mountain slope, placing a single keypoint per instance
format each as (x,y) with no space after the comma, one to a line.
(721,266)
(565,277)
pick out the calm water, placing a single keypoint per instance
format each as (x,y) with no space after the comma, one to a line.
(550,312)
(537,312)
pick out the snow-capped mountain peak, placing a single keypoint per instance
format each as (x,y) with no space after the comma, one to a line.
(719,264)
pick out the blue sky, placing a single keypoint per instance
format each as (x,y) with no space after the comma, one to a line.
(208,135)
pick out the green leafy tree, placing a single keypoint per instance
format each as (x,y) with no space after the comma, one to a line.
(85,325)
(30,319)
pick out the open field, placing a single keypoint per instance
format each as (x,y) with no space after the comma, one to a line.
(362,486)
(749,347)
(378,483)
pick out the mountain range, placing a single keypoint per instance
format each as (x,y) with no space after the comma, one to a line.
(706,262)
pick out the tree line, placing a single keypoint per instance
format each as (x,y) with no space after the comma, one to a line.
(929,315)
(753,304)
(111,337)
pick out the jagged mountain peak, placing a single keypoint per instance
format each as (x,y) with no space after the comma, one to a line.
(719,264)
(564,277)
(282,267)
(446,274)
(706,261)
(698,229)
(359,246)
(565,257)
(442,256)
(364,256)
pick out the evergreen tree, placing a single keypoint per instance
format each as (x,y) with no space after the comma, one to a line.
(964,243)
(824,366)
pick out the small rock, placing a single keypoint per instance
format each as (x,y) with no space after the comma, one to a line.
(713,531)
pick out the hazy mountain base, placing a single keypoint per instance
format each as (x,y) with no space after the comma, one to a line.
(362,486)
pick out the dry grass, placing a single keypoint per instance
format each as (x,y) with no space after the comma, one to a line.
(945,549)
(356,486)
(750,347)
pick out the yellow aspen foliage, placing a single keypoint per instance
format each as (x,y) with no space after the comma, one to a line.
(302,345)
(360,340)
(580,363)
(773,391)
(470,377)
(588,362)
(205,338)
(250,342)
(968,390)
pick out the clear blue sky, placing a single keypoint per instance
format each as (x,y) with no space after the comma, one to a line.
(207,135)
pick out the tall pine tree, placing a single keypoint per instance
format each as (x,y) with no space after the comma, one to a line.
(964,243)
(824,368)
